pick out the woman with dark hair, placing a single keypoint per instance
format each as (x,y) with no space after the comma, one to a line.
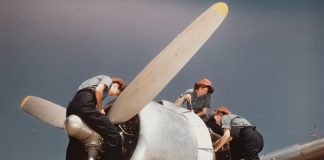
(246,141)
(199,98)
(87,104)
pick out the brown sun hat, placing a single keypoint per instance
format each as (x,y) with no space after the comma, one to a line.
(205,82)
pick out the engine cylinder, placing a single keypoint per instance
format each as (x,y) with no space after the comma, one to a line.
(76,128)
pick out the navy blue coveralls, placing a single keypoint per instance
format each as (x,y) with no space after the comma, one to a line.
(84,105)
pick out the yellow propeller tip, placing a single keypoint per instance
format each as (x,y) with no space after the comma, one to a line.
(24,101)
(221,8)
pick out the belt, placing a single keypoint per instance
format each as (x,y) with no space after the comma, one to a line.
(249,127)
(86,90)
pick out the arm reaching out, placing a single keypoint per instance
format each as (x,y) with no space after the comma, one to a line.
(220,143)
(179,102)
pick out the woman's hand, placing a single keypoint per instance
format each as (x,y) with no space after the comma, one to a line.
(102,111)
(188,97)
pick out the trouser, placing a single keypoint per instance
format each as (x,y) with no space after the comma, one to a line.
(223,155)
(84,106)
(75,150)
(248,145)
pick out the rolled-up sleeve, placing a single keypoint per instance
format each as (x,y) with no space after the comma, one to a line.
(189,91)
(106,81)
(226,122)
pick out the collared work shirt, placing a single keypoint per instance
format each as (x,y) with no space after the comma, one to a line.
(232,120)
(93,82)
(197,103)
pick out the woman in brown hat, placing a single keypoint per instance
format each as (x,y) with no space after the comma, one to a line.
(199,98)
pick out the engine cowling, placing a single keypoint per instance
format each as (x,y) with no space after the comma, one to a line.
(166,132)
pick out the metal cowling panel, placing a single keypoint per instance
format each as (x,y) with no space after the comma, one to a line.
(164,135)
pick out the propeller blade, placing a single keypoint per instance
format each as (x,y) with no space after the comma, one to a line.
(45,111)
(159,72)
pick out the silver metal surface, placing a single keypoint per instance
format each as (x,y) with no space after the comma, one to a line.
(204,144)
(92,153)
(167,134)
(92,141)
(313,150)
(76,128)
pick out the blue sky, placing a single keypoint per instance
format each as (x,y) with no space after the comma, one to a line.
(265,61)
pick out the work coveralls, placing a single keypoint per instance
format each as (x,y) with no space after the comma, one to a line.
(84,105)
(247,142)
